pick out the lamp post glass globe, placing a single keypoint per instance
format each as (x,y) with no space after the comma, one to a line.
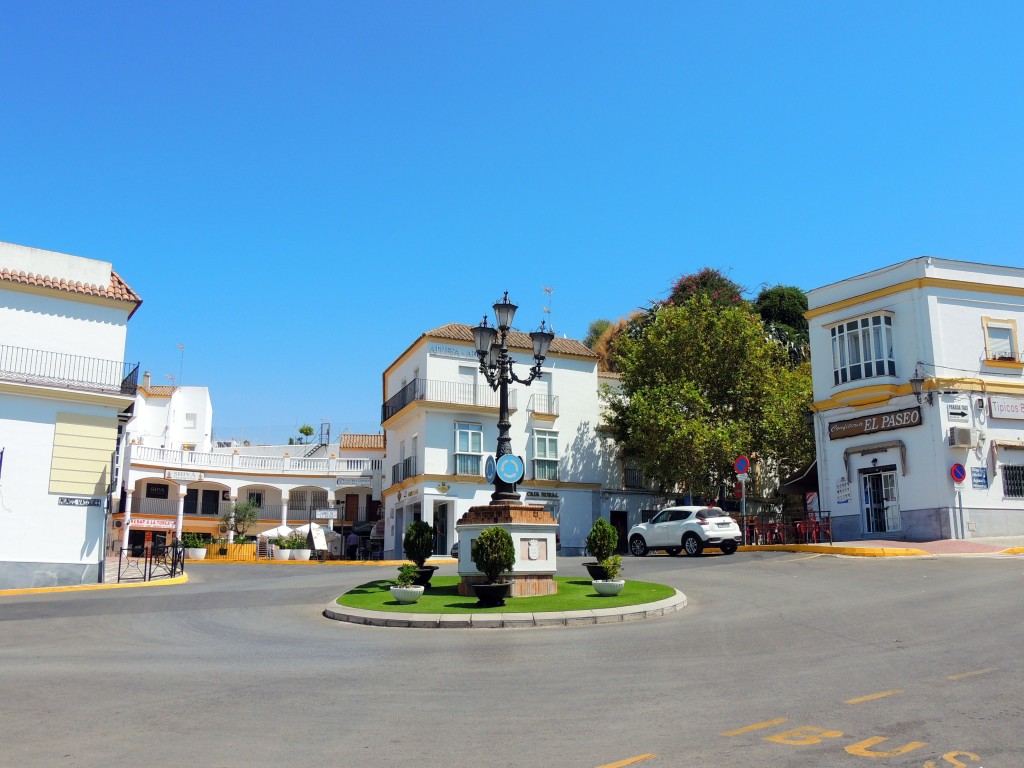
(504,311)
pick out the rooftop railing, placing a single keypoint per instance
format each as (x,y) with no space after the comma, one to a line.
(37,366)
(198,460)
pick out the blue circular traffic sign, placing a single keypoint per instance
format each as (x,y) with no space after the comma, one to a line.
(510,468)
(958,473)
(741,465)
(489,470)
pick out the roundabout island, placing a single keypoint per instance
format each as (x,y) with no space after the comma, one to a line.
(442,607)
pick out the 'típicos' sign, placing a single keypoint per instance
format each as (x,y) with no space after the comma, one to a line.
(1006,407)
(880,422)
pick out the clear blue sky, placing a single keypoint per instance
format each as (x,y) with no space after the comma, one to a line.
(299,189)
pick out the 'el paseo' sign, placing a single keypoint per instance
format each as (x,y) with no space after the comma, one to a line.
(879,422)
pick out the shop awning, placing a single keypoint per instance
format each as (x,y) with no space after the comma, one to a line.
(802,481)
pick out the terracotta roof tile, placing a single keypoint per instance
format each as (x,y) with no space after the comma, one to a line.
(160,390)
(516,340)
(118,289)
(375,442)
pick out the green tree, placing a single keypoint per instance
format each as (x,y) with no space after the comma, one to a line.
(242,516)
(306,431)
(702,382)
(782,309)
(595,330)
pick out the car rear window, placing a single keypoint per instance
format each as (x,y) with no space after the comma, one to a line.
(704,514)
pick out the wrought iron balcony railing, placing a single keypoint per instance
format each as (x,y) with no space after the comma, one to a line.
(545,404)
(403,470)
(451,392)
(36,366)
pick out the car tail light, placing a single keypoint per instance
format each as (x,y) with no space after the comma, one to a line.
(703,522)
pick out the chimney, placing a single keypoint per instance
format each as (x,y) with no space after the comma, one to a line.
(145,380)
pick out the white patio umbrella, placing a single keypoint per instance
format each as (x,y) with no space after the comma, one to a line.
(273,533)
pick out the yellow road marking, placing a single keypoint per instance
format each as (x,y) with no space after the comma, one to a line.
(754,727)
(627,761)
(873,696)
(962,675)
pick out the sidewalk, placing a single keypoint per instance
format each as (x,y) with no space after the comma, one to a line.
(993,545)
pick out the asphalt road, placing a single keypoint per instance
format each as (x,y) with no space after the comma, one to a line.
(781,659)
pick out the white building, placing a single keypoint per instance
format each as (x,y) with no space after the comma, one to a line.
(440,418)
(174,480)
(885,454)
(64,394)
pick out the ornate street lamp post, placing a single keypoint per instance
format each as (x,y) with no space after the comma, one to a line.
(496,365)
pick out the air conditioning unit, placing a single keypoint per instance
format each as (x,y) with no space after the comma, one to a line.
(963,437)
(119,523)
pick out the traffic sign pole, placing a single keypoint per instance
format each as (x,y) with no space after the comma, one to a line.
(743,505)
(959,474)
(741,465)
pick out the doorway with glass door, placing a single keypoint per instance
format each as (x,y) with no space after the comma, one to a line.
(880,497)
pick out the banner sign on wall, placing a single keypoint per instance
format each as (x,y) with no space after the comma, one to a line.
(879,422)
(1005,407)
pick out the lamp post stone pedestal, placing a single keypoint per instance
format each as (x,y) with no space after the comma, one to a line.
(533,530)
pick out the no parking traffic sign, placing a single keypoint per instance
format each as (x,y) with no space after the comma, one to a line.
(959,474)
(741,465)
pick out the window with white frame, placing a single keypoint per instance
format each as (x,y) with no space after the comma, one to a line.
(1000,339)
(863,348)
(545,454)
(190,421)
(469,439)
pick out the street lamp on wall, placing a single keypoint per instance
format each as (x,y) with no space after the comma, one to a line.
(496,366)
(917,385)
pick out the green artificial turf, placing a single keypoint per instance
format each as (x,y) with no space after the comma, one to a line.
(575,593)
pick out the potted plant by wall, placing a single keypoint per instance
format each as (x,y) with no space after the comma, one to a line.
(282,548)
(601,543)
(195,545)
(406,591)
(611,584)
(418,543)
(493,553)
(300,549)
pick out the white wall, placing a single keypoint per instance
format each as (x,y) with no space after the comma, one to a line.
(61,325)
(33,525)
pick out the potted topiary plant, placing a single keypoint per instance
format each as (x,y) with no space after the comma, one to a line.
(611,584)
(493,554)
(418,543)
(601,543)
(406,591)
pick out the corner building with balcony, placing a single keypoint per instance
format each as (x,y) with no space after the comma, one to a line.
(65,395)
(916,368)
(441,422)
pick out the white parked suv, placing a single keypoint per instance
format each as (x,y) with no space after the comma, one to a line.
(691,528)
